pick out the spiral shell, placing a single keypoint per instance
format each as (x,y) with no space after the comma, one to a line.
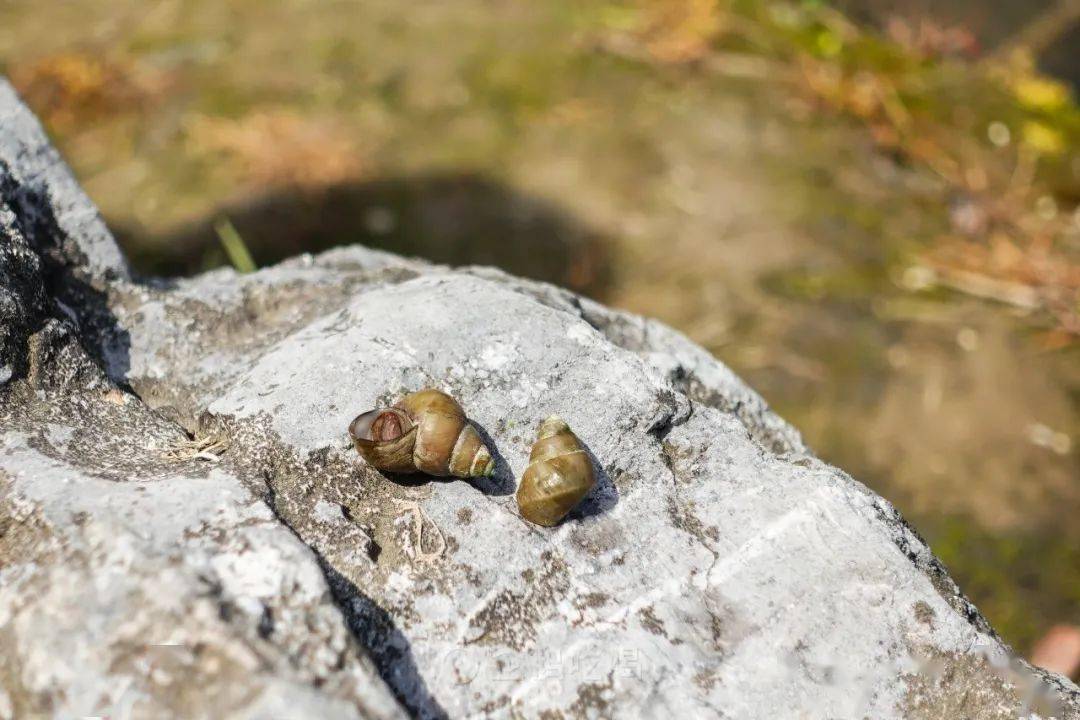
(559,474)
(425,431)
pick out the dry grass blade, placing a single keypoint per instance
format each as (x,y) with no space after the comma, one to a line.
(209,448)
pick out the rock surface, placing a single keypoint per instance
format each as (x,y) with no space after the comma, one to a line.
(185,531)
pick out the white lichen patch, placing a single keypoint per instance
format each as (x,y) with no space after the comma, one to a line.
(59,435)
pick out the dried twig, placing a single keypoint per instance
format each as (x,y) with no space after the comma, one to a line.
(209,448)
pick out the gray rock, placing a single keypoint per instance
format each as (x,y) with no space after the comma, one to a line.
(136,580)
(185,531)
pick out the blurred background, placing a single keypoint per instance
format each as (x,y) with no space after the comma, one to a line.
(867,208)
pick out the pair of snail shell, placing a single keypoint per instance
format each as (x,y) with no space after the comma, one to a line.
(427,431)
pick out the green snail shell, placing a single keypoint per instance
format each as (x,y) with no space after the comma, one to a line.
(559,474)
(425,431)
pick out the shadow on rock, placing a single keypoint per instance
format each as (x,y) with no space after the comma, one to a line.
(386,645)
(451,218)
(69,293)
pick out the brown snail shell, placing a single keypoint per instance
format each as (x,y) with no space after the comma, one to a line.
(559,474)
(425,431)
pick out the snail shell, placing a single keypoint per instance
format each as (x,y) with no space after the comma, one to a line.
(425,431)
(559,474)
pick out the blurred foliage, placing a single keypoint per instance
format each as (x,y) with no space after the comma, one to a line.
(73,88)
(306,153)
(1004,139)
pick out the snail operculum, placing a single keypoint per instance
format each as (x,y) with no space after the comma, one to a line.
(559,474)
(385,438)
(426,431)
